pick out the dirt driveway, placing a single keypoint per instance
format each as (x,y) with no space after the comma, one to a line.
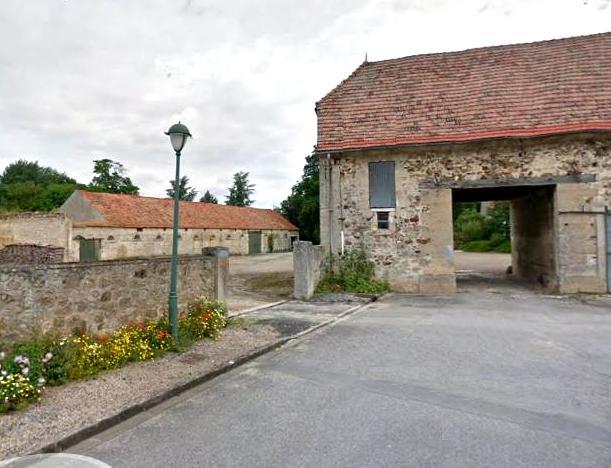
(255,280)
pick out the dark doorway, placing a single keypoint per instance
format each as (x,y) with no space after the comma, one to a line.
(254,242)
(89,250)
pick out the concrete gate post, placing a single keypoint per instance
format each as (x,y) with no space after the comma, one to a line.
(220,269)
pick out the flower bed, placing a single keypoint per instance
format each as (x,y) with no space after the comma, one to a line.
(26,367)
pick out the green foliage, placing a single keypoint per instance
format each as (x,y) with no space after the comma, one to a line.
(477,246)
(353,273)
(27,186)
(302,207)
(109,176)
(185,192)
(25,171)
(503,247)
(208,198)
(240,191)
(474,232)
(26,367)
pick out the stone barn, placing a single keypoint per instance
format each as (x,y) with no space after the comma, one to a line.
(94,226)
(400,140)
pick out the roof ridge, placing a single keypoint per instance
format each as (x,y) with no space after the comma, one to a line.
(490,47)
(169,199)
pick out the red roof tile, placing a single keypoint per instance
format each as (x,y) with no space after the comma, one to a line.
(541,88)
(134,211)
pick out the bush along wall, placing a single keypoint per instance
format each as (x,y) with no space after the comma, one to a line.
(352,272)
(27,367)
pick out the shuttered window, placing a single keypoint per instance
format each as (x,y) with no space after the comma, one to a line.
(382,184)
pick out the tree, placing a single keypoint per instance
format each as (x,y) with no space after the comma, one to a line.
(302,206)
(208,198)
(110,177)
(26,171)
(240,192)
(185,192)
(27,186)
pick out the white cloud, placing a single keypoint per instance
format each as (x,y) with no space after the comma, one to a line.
(90,78)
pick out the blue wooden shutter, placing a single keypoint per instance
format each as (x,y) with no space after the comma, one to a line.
(382,184)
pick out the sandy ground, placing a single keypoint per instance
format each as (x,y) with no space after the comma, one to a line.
(259,279)
(486,262)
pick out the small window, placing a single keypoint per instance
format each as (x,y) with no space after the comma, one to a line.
(159,237)
(139,229)
(383,219)
(137,237)
(110,238)
(382,184)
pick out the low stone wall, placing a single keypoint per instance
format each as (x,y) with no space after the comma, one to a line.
(30,254)
(308,261)
(99,296)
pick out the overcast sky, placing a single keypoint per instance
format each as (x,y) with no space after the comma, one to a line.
(87,79)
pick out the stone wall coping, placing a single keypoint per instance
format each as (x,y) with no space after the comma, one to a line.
(27,215)
(104,263)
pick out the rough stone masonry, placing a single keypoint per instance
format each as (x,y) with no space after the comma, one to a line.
(416,253)
(101,296)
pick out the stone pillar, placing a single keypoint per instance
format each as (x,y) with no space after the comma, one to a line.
(220,269)
(308,261)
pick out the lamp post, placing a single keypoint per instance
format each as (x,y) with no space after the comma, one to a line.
(178,134)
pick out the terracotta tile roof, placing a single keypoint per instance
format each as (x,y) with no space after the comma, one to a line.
(541,88)
(133,211)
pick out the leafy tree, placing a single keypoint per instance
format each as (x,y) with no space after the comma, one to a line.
(475,232)
(27,186)
(109,176)
(302,207)
(26,171)
(240,192)
(185,192)
(208,198)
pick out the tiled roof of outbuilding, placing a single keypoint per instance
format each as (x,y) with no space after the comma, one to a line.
(541,88)
(133,211)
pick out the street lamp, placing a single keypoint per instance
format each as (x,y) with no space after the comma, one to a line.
(178,137)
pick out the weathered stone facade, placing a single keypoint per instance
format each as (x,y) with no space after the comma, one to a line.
(36,228)
(57,230)
(118,243)
(416,253)
(99,296)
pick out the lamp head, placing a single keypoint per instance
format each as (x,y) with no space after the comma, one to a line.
(178,136)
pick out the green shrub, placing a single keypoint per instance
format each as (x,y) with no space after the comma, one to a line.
(477,246)
(504,247)
(472,228)
(353,273)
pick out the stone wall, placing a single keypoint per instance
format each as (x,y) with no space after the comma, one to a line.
(117,243)
(36,228)
(100,296)
(308,262)
(416,253)
(533,240)
(29,254)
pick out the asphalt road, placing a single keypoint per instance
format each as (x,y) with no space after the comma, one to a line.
(480,379)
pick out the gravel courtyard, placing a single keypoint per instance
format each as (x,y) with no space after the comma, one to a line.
(488,377)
